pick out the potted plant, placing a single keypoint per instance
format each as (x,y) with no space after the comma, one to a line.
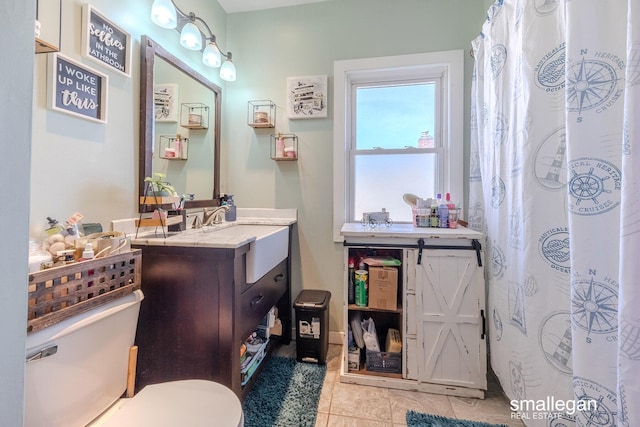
(158,186)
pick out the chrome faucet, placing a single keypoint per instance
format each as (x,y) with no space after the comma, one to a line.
(214,216)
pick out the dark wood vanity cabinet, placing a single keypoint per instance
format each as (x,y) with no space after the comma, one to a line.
(198,310)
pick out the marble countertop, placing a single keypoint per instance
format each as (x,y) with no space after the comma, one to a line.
(407,233)
(250,225)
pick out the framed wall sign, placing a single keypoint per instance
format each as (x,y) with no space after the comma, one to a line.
(165,102)
(307,97)
(76,89)
(105,42)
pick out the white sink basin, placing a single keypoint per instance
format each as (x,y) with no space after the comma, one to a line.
(270,247)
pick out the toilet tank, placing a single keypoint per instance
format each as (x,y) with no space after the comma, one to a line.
(86,370)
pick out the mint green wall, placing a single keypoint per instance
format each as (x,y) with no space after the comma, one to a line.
(271,45)
(17,44)
(92,168)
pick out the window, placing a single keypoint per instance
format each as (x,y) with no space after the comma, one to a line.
(383,107)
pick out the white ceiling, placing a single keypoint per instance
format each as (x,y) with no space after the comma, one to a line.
(231,6)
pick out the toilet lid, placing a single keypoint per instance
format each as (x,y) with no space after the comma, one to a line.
(190,403)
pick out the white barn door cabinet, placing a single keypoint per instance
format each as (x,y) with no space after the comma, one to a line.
(440,314)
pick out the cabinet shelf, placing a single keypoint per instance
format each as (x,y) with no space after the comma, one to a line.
(363,371)
(158,222)
(158,200)
(261,114)
(353,307)
(45,47)
(194,115)
(284,147)
(48,26)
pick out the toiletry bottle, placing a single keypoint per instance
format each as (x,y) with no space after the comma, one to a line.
(352,285)
(178,146)
(230,215)
(443,214)
(279,147)
(87,253)
(54,227)
(433,220)
(450,204)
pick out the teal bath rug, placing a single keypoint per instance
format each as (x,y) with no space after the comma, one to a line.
(416,419)
(285,394)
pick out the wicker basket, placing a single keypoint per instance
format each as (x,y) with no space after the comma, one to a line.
(61,292)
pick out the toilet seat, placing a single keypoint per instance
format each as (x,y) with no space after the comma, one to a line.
(192,403)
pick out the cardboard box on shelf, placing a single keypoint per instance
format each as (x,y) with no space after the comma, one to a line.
(354,359)
(383,288)
(394,342)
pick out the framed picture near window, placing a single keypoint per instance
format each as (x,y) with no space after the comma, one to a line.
(165,102)
(104,42)
(76,89)
(307,97)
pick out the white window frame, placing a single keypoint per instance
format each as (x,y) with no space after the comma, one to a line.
(347,73)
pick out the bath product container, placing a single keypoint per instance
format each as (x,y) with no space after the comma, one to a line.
(230,215)
(312,325)
(443,215)
(351,291)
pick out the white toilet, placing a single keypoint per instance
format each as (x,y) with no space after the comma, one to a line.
(76,372)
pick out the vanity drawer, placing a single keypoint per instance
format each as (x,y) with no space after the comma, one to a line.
(256,301)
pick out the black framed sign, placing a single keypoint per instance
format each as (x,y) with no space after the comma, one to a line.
(105,42)
(76,89)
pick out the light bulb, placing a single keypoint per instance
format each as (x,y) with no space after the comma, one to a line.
(211,56)
(163,14)
(190,37)
(228,69)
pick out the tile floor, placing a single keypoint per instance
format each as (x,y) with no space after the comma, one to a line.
(351,405)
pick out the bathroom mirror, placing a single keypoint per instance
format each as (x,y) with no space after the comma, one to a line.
(177,100)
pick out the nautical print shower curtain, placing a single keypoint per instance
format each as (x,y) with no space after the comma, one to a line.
(555,187)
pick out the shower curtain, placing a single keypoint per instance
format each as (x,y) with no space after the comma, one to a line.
(555,187)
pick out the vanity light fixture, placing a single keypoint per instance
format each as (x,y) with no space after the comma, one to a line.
(166,14)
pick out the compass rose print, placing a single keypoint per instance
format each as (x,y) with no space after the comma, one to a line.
(497,323)
(594,306)
(605,410)
(594,186)
(498,191)
(590,83)
(517,380)
(497,262)
(498,59)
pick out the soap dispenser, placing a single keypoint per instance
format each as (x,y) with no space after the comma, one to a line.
(230,215)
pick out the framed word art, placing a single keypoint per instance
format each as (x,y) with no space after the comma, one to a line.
(76,89)
(307,97)
(105,42)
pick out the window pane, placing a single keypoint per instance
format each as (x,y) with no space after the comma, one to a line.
(394,116)
(381,180)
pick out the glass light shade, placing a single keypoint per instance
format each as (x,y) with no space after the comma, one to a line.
(228,71)
(190,37)
(211,56)
(163,14)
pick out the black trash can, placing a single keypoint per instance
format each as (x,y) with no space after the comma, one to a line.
(312,325)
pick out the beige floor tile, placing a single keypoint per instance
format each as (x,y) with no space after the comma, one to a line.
(322,420)
(403,401)
(352,405)
(341,421)
(352,400)
(324,404)
(493,409)
(334,357)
